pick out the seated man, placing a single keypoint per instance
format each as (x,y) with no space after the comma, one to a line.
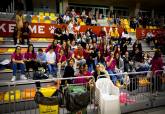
(18,63)
(41,59)
(25,33)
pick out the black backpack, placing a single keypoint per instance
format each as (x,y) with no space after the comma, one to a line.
(76,101)
(38,75)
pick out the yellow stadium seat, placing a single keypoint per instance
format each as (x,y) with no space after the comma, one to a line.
(53,16)
(1,39)
(9,96)
(35,19)
(46,13)
(41,13)
(132,30)
(154,27)
(10,50)
(150,27)
(127,26)
(47,21)
(41,19)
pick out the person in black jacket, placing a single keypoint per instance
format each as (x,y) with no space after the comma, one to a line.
(25,33)
(68,71)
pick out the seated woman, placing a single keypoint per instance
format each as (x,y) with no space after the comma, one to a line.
(80,74)
(111,64)
(99,58)
(61,61)
(55,45)
(69,71)
(18,63)
(51,62)
(30,58)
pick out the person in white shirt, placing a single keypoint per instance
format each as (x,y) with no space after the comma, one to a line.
(51,62)
(70,29)
(149,37)
(126,36)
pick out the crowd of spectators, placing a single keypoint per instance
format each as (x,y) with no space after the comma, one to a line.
(90,17)
(88,53)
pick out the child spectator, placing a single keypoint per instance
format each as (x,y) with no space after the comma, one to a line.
(41,59)
(18,63)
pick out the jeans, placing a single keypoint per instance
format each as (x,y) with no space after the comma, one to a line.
(112,77)
(90,67)
(51,69)
(16,66)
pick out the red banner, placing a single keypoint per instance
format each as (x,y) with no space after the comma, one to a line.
(43,30)
(141,33)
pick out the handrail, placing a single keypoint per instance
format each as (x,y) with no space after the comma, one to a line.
(42,81)
(21,82)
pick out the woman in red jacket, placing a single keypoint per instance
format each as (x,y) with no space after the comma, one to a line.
(156,64)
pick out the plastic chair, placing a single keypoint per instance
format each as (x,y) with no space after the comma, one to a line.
(46,13)
(41,13)
(35,19)
(107,96)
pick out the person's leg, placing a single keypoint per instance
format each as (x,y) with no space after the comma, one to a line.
(27,64)
(14,68)
(54,72)
(28,39)
(113,77)
(59,68)
(23,40)
(49,68)
(120,78)
(22,68)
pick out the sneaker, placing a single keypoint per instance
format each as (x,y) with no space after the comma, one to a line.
(50,76)
(13,78)
(22,77)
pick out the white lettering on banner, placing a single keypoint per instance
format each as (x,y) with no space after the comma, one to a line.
(34,29)
(11,27)
(2,27)
(41,29)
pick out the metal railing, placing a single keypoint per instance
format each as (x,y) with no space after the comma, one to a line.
(138,90)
